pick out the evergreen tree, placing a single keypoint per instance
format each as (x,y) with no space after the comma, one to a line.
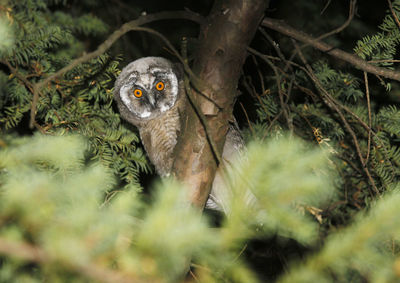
(323,156)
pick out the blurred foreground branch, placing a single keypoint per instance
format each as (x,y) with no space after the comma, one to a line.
(35,254)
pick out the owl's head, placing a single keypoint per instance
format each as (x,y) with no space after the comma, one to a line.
(146,89)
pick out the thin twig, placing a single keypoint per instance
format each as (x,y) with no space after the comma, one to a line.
(348,161)
(260,75)
(369,116)
(352,9)
(396,19)
(194,276)
(305,119)
(384,61)
(271,124)
(252,91)
(240,253)
(18,75)
(280,91)
(273,43)
(248,120)
(325,7)
(282,57)
(266,57)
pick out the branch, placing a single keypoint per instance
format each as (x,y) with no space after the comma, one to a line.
(130,26)
(19,76)
(36,254)
(230,27)
(189,95)
(283,28)
(352,10)
(396,19)
(369,116)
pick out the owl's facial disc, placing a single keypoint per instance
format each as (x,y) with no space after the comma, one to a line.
(149,92)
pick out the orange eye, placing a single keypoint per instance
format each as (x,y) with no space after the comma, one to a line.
(138,93)
(160,86)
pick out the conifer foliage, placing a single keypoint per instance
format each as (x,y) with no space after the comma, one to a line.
(54,216)
(322,161)
(81,101)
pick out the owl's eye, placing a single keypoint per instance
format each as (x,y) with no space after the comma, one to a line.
(138,93)
(160,86)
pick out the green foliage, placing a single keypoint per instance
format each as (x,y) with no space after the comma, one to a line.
(343,86)
(54,215)
(291,174)
(389,118)
(53,200)
(381,46)
(81,101)
(6,36)
(70,206)
(367,247)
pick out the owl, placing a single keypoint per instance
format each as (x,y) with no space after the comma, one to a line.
(150,94)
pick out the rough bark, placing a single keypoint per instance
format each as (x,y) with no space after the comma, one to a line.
(224,38)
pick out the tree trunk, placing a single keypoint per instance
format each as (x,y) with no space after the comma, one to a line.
(224,37)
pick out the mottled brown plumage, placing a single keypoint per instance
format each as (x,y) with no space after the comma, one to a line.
(159,137)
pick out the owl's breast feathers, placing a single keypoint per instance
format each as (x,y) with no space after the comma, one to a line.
(159,137)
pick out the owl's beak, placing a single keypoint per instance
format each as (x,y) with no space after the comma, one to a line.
(152,100)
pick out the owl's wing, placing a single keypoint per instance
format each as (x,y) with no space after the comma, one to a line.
(221,193)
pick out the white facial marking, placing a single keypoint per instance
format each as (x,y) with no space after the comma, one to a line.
(157,70)
(124,93)
(145,114)
(174,84)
